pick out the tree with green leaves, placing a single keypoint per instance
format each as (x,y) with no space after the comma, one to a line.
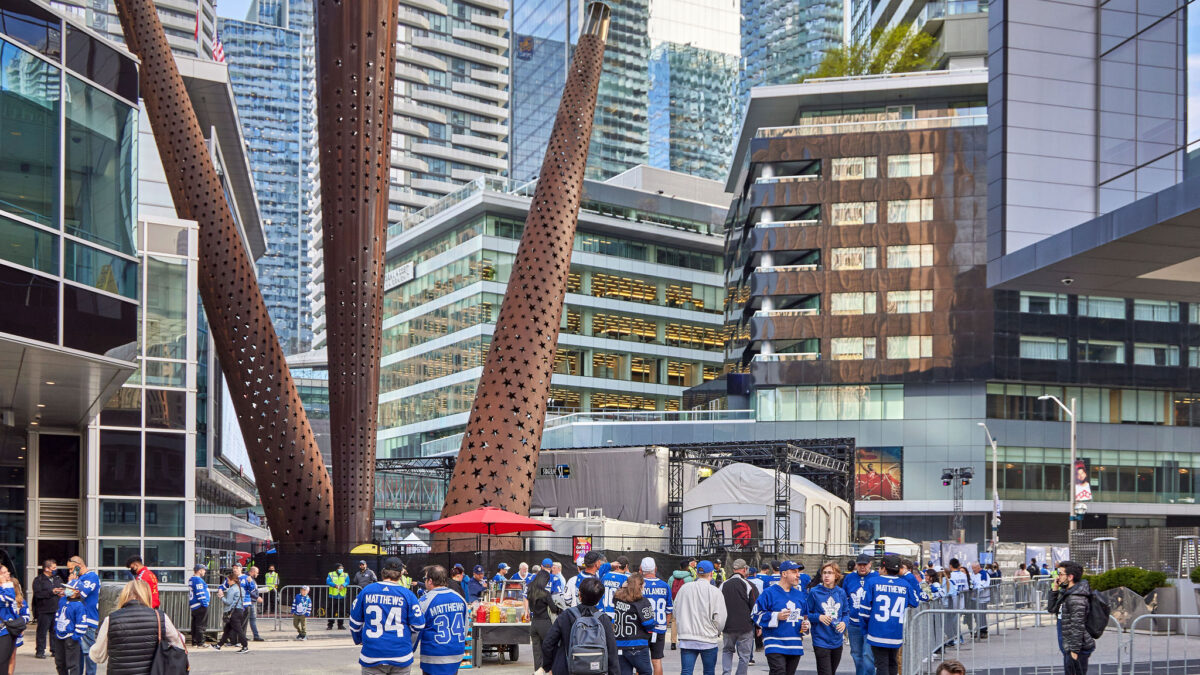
(898,49)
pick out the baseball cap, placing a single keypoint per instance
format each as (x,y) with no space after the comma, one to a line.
(738,564)
(393,565)
(477,569)
(362,562)
(862,559)
(788,565)
(705,567)
(197,568)
(592,557)
(799,565)
(546,562)
(503,566)
(458,567)
(753,570)
(648,564)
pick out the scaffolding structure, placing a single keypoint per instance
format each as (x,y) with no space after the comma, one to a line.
(826,462)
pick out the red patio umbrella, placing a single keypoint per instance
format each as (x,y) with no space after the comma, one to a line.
(488,520)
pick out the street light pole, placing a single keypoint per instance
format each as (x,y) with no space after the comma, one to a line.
(1070,483)
(995,492)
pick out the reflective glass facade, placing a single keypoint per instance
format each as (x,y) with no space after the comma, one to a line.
(620,135)
(784,39)
(692,118)
(543,33)
(271,69)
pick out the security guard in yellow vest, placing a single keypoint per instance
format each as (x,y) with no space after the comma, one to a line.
(269,588)
(337,581)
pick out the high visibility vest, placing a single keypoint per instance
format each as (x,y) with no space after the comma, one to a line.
(272,580)
(334,580)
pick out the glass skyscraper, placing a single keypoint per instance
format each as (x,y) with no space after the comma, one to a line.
(271,68)
(784,39)
(692,118)
(620,137)
(543,32)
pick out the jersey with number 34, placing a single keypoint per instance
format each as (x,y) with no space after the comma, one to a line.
(444,639)
(386,619)
(885,600)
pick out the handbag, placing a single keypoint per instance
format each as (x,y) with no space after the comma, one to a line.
(15,626)
(168,659)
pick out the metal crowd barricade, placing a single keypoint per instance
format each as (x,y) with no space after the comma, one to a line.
(324,607)
(1161,644)
(173,600)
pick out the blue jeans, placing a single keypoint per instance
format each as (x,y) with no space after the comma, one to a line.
(708,660)
(89,639)
(860,651)
(635,659)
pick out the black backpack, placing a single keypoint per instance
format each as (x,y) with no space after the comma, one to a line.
(1097,614)
(587,648)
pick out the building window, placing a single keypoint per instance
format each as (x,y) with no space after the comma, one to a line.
(910,255)
(853,213)
(853,402)
(1194,312)
(1043,349)
(1101,308)
(910,210)
(852,349)
(1155,355)
(910,347)
(857,258)
(1043,303)
(907,166)
(854,168)
(1194,357)
(852,303)
(1101,351)
(909,302)
(1155,310)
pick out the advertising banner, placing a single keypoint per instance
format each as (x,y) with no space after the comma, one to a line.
(580,546)
(878,474)
(1083,480)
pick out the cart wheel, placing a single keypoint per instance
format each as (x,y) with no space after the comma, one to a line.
(513,652)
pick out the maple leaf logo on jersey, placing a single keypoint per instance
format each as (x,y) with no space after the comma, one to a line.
(831,607)
(793,614)
(859,595)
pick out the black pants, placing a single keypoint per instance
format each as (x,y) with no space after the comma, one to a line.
(887,660)
(235,629)
(336,607)
(68,655)
(8,645)
(827,660)
(783,664)
(45,628)
(199,621)
(1076,666)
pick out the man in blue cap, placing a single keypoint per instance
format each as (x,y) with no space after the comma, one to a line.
(779,612)
(502,570)
(556,583)
(476,586)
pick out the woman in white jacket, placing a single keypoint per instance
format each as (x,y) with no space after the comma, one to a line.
(699,615)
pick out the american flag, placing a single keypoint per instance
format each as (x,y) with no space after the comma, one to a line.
(218,50)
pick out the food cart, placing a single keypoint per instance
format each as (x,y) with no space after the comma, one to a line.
(500,623)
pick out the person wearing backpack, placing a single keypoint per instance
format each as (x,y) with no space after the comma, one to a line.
(1071,599)
(581,640)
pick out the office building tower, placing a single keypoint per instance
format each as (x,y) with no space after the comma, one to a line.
(959,27)
(190,25)
(270,57)
(620,133)
(643,311)
(783,40)
(693,95)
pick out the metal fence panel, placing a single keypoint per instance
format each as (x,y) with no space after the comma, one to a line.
(1151,548)
(1162,644)
(324,606)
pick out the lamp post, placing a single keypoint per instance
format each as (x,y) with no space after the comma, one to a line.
(995,493)
(1071,483)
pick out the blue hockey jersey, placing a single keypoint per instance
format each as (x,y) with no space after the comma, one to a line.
(302,605)
(69,620)
(612,581)
(855,586)
(386,621)
(781,637)
(88,586)
(887,598)
(658,592)
(444,638)
(830,602)
(198,592)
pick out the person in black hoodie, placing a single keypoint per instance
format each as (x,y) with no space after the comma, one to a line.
(557,642)
(1069,598)
(738,637)
(45,604)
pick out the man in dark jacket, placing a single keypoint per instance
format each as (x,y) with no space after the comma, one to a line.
(740,596)
(1069,598)
(45,604)
(556,643)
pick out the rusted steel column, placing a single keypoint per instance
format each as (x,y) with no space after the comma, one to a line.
(356,45)
(292,481)
(504,432)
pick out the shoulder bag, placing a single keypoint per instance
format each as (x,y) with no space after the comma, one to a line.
(168,659)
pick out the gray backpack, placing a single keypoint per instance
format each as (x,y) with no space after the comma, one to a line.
(587,650)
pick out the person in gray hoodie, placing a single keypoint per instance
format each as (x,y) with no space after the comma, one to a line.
(1069,598)
(700,615)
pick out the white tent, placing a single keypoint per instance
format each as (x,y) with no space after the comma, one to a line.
(415,544)
(745,491)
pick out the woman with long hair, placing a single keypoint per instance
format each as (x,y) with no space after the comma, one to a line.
(128,638)
(828,607)
(541,604)
(632,626)
(12,607)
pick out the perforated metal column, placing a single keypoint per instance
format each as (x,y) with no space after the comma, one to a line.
(292,481)
(504,432)
(356,44)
